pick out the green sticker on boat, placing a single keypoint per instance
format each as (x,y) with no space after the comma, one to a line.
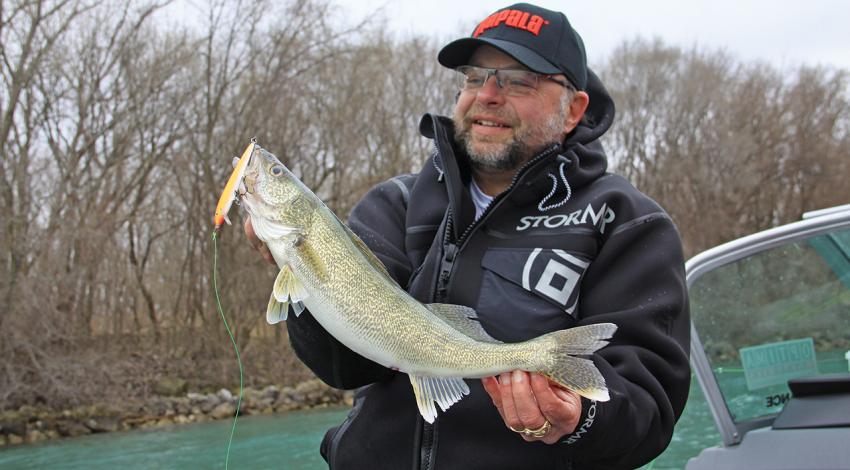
(776,363)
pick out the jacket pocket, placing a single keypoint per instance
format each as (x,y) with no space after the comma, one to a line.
(529,292)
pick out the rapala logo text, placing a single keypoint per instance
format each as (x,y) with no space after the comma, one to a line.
(513,18)
(599,219)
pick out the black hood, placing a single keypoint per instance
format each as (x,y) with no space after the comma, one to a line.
(581,148)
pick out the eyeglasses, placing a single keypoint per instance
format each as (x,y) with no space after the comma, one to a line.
(513,82)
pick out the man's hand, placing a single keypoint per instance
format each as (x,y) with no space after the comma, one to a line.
(257,243)
(527,401)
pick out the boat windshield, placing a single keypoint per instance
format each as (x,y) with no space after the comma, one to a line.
(773,315)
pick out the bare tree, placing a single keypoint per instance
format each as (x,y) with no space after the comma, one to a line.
(76,164)
(727,148)
(116,136)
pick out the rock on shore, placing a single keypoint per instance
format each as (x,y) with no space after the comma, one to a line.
(29,424)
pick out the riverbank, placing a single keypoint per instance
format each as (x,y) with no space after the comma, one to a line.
(31,424)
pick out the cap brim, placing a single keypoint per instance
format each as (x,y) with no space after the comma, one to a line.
(458,52)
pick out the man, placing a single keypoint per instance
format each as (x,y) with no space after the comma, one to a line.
(515,216)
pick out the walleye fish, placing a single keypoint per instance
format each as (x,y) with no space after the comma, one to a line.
(326,268)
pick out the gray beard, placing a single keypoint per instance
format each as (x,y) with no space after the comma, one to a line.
(509,158)
(516,152)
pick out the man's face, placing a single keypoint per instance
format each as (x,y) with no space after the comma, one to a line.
(501,132)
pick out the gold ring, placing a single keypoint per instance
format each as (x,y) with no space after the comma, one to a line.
(536,433)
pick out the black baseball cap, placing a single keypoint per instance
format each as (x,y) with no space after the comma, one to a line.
(540,39)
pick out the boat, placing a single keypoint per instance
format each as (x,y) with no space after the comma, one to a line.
(770,345)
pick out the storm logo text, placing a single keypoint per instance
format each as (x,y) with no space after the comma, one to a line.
(599,219)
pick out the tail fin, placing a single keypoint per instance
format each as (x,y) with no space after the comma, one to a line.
(577,374)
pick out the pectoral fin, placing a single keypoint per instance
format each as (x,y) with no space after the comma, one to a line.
(445,391)
(276,311)
(279,311)
(287,290)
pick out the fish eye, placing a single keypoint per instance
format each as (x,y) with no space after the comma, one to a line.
(277,170)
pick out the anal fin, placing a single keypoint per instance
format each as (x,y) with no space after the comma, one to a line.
(444,391)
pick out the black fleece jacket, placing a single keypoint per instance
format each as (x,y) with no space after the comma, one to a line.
(567,244)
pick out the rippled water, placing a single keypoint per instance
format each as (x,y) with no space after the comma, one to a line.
(694,432)
(288,441)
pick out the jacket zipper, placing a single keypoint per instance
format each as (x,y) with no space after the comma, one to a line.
(501,197)
(427,444)
(451,248)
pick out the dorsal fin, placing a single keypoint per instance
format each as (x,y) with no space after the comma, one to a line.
(462,319)
(367,253)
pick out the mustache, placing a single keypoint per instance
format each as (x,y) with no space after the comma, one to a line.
(507,117)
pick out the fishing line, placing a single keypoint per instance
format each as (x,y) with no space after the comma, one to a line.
(232,340)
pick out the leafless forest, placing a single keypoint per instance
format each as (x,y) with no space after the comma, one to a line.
(117,130)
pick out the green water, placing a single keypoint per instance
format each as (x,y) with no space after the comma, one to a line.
(287,441)
(694,432)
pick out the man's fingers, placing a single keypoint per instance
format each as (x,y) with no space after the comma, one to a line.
(561,407)
(491,386)
(550,404)
(518,403)
(508,408)
(527,409)
(251,234)
(256,242)
(529,401)
(562,394)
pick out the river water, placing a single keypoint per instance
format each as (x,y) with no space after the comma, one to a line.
(286,441)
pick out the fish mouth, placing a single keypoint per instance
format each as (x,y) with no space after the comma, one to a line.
(250,190)
(256,190)
(253,175)
(249,197)
(249,182)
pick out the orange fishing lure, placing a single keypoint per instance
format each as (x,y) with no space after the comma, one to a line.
(228,196)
